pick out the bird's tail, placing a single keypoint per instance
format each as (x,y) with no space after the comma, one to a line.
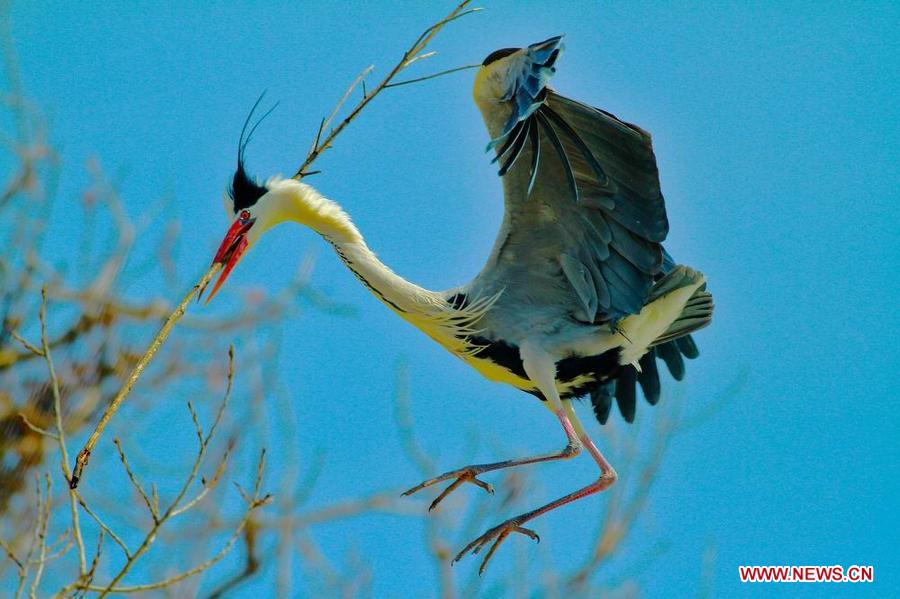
(678,305)
(697,311)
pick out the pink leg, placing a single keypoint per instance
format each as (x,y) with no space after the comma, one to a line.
(468,474)
(501,531)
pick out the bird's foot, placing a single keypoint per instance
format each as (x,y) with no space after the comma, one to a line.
(499,532)
(469,474)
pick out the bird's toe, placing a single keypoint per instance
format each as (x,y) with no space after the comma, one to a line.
(468,474)
(497,534)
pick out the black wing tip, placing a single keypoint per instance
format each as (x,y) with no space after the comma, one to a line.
(624,388)
(648,378)
(626,396)
(514,145)
(673,359)
(688,347)
(551,135)
(601,401)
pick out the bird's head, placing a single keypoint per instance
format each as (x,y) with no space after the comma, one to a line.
(256,207)
(250,208)
(491,80)
(504,72)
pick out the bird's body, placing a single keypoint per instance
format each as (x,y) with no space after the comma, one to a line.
(578,296)
(481,322)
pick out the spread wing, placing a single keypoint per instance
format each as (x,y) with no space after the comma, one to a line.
(584,211)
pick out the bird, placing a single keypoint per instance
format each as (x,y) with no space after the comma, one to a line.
(578,297)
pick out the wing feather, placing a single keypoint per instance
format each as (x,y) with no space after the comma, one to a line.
(535,136)
(514,145)
(598,232)
(573,135)
(581,280)
(627,292)
(648,378)
(592,205)
(626,397)
(645,255)
(560,151)
(688,347)
(527,87)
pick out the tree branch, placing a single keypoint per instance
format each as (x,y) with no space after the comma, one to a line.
(85,454)
(413,54)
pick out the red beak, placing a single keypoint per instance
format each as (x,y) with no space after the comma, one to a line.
(233,247)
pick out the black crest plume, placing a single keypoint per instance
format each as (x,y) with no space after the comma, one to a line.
(245,191)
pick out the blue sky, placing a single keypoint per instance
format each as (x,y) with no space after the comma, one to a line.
(776,131)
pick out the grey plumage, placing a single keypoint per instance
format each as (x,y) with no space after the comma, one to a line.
(578,296)
(580,245)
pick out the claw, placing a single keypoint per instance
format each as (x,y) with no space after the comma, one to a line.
(480,483)
(500,532)
(463,475)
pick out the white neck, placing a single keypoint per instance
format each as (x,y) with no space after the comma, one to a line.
(301,203)
(426,310)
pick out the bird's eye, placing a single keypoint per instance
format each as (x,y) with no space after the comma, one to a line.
(245,215)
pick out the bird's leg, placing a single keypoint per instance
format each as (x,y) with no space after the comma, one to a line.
(469,474)
(571,423)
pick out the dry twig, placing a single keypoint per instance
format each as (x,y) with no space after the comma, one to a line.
(415,53)
(60,433)
(85,454)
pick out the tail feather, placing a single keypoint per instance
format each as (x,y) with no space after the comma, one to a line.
(679,277)
(671,345)
(677,304)
(697,313)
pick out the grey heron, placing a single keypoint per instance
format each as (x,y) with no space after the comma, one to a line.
(578,296)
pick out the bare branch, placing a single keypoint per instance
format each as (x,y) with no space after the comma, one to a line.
(432,76)
(36,428)
(11,555)
(160,520)
(208,485)
(386,502)
(209,563)
(414,53)
(43,523)
(103,526)
(60,433)
(403,415)
(39,511)
(85,454)
(254,502)
(35,351)
(419,57)
(327,122)
(154,513)
(89,575)
(251,565)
